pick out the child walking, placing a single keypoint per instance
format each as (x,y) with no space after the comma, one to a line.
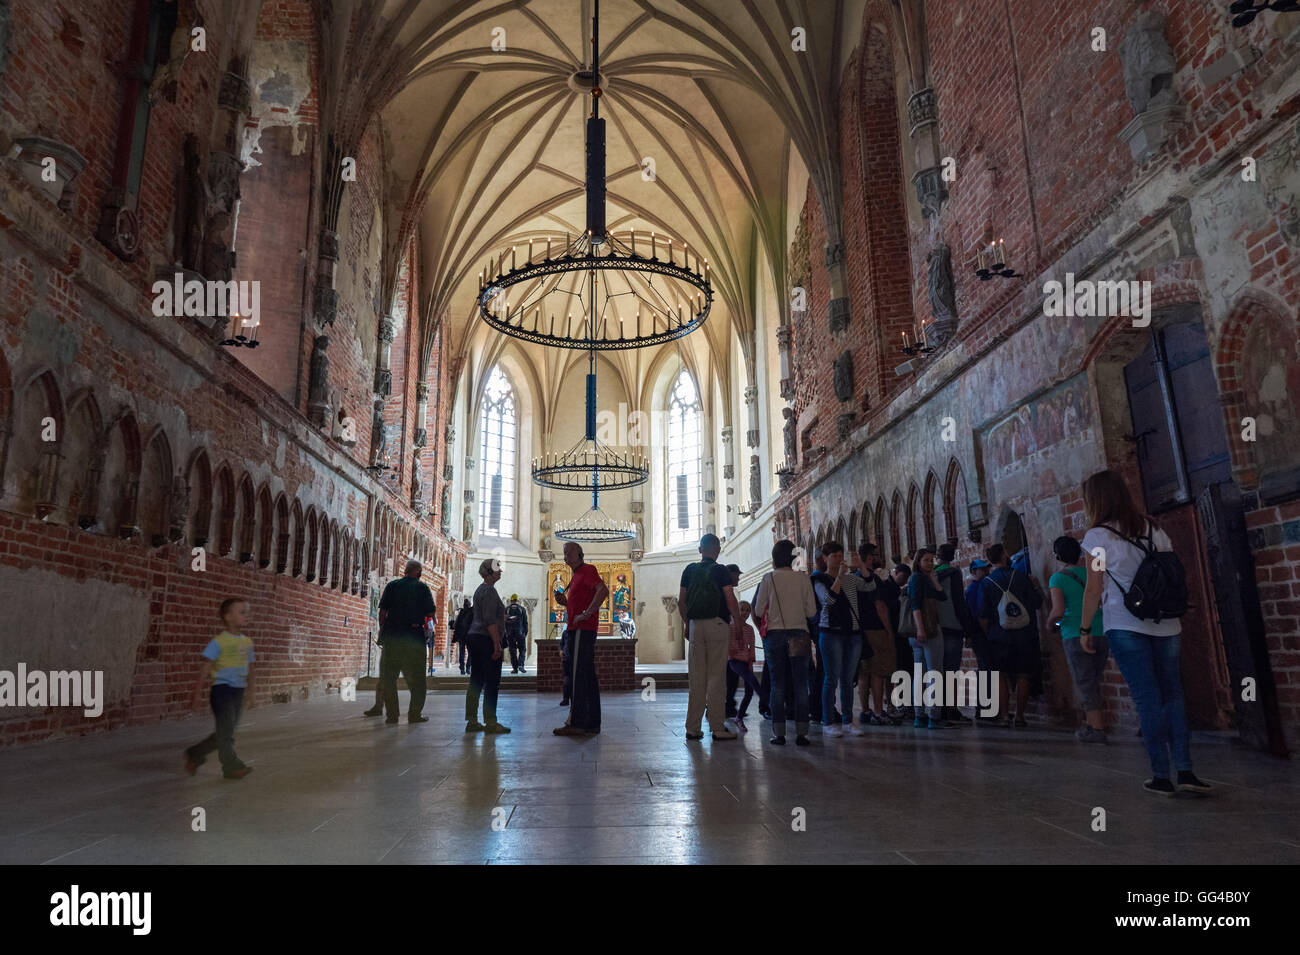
(227,661)
(740,658)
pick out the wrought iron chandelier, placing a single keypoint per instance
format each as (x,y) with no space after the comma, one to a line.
(595,526)
(600,292)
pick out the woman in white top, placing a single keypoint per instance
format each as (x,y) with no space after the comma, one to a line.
(1147,651)
(785,596)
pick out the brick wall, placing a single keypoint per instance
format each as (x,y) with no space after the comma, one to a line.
(1275,539)
(615,665)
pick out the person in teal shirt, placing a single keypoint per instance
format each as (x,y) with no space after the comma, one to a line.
(1086,656)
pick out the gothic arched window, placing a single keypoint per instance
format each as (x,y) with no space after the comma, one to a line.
(684,478)
(497,463)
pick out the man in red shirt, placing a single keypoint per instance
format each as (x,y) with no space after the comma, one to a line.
(581,601)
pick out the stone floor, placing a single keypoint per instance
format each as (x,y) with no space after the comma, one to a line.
(331,786)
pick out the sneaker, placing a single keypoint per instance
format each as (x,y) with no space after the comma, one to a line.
(918,723)
(239,773)
(417,719)
(569,731)
(801,741)
(832,730)
(893,712)
(1089,734)
(1159,786)
(374,711)
(391,721)
(496,728)
(777,740)
(694,736)
(473,726)
(564,702)
(1188,783)
(740,724)
(856,730)
(724,734)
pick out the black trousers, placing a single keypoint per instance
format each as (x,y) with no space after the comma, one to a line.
(227,704)
(584,708)
(404,655)
(566,663)
(515,643)
(733,684)
(484,680)
(816,675)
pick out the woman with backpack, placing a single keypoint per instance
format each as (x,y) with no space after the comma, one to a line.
(1142,591)
(1086,665)
(785,597)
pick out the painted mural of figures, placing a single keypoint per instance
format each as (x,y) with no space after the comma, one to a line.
(622,596)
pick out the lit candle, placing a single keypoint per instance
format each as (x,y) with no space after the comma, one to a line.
(530,250)
(513,249)
(548,246)
(653,253)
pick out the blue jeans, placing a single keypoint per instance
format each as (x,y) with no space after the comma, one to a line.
(1150,668)
(776,653)
(930,655)
(840,652)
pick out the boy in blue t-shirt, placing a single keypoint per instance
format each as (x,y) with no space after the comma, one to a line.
(227,662)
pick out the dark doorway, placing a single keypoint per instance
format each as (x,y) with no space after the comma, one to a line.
(1183,460)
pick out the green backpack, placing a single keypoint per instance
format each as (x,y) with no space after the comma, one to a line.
(703,598)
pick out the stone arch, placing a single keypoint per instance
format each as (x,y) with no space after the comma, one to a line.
(35,461)
(933,518)
(198,477)
(153,495)
(345,565)
(264,528)
(282,534)
(326,551)
(896,517)
(83,460)
(914,532)
(245,520)
(881,523)
(1257,359)
(955,502)
(224,534)
(298,539)
(121,477)
(313,545)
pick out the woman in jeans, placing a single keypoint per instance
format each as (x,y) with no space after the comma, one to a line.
(923,597)
(785,597)
(1146,651)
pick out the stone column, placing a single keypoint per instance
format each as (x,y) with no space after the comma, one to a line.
(784,340)
(838,276)
(383,358)
(923,120)
(751,416)
(421,414)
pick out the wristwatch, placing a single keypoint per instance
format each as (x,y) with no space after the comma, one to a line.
(1085,631)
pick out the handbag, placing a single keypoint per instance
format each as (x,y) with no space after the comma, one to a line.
(799,645)
(906,621)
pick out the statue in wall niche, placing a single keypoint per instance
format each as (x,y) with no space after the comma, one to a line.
(378,435)
(789,432)
(943,295)
(1148,63)
(445,510)
(191,207)
(166,79)
(218,261)
(468,524)
(318,383)
(843,378)
(755,482)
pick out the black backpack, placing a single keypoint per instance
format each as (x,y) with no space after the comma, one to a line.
(1159,588)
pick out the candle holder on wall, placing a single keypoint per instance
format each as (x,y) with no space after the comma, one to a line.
(991,262)
(919,345)
(1244,12)
(238,339)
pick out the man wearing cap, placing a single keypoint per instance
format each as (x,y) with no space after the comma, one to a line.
(979,569)
(403,607)
(581,601)
(485,641)
(516,631)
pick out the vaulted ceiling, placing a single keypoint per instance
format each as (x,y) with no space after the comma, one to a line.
(484,147)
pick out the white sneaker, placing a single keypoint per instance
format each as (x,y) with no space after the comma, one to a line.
(856,730)
(832,729)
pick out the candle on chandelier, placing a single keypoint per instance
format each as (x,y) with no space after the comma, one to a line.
(653,240)
(530,250)
(905,340)
(634,241)
(513,249)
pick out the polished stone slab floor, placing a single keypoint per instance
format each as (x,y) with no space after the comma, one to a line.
(331,786)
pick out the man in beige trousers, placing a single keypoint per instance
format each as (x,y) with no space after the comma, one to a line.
(707,602)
